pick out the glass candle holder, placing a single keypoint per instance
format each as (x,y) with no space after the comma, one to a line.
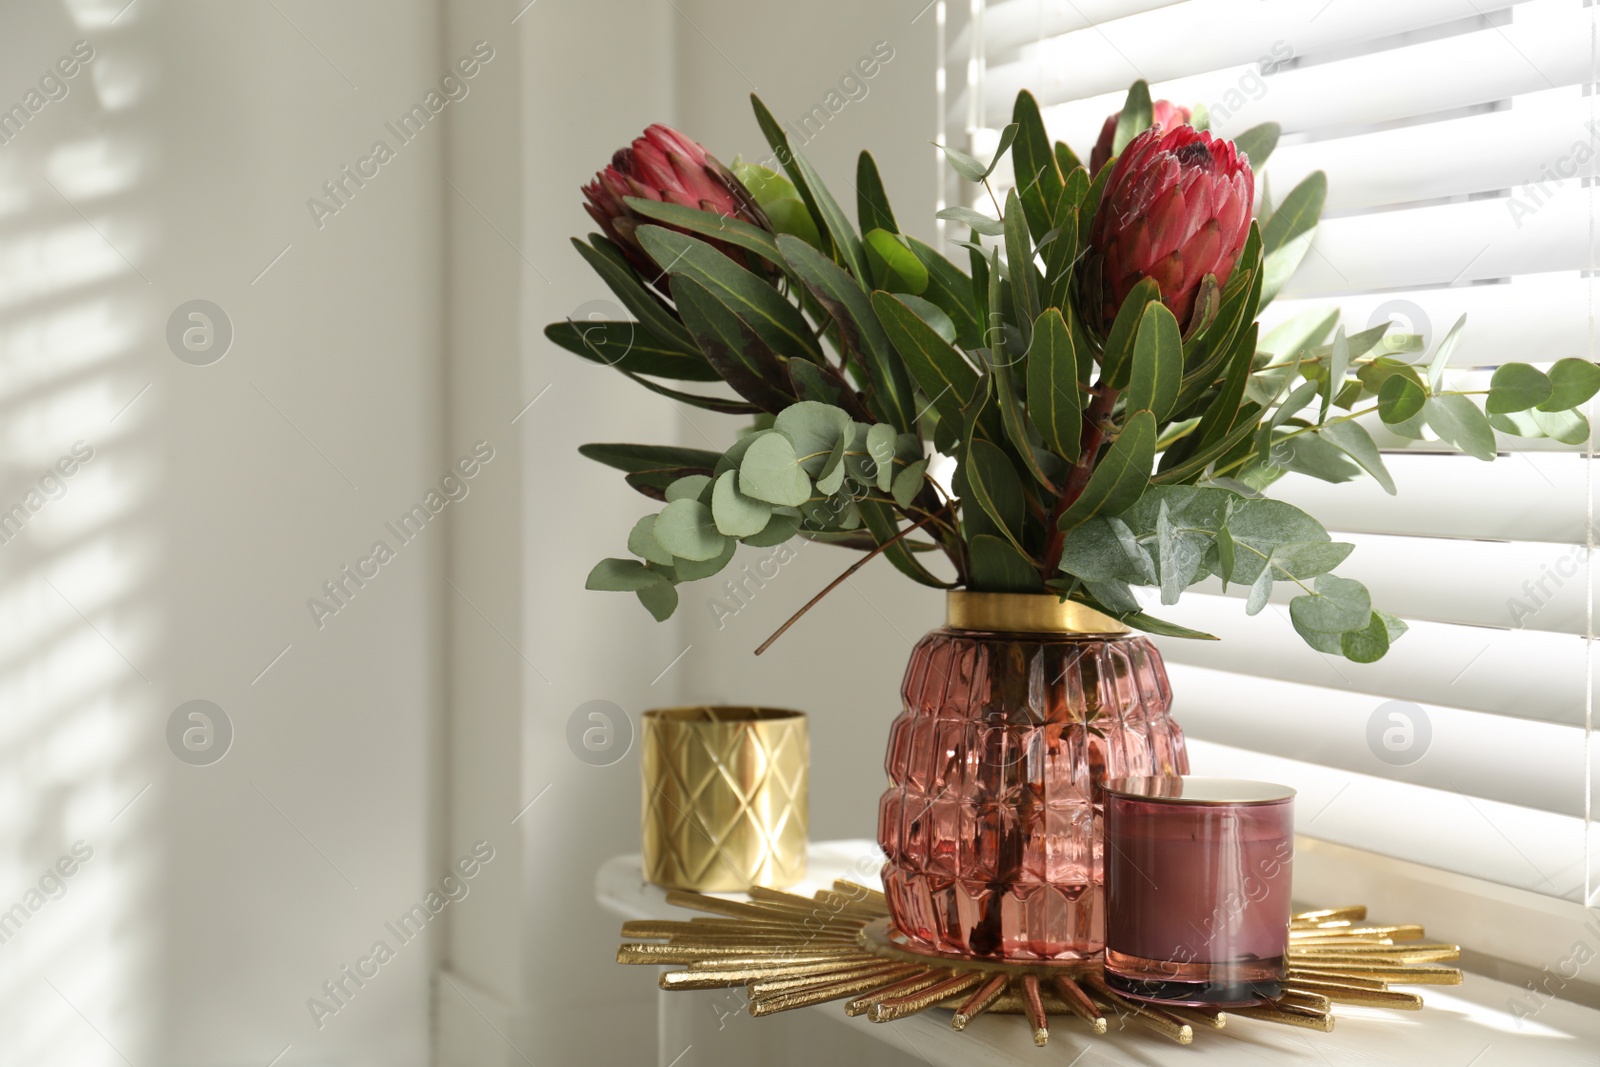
(1197,883)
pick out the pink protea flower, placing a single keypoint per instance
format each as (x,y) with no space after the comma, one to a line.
(664,165)
(1176,207)
(1163,113)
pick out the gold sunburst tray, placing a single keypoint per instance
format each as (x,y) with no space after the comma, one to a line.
(791,952)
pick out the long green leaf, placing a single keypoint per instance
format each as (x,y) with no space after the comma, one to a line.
(779,140)
(741,357)
(1038,177)
(1258,142)
(950,290)
(772,318)
(1287,236)
(1134,118)
(859,330)
(627,346)
(1061,253)
(1121,475)
(998,489)
(1019,261)
(998,567)
(618,275)
(846,243)
(710,224)
(872,203)
(631,458)
(1157,363)
(879,519)
(940,371)
(1116,361)
(1053,397)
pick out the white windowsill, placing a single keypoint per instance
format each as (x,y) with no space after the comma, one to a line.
(1467,1024)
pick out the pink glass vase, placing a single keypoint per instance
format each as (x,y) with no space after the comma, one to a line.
(1014,713)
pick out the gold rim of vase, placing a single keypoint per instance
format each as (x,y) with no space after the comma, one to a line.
(1043,613)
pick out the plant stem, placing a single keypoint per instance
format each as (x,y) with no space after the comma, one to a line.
(831,586)
(1078,478)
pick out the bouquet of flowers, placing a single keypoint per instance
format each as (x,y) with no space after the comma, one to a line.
(1090,406)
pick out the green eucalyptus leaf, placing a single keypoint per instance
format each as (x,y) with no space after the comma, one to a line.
(654,590)
(1357,443)
(880,447)
(642,542)
(1368,644)
(813,429)
(735,514)
(779,529)
(1568,427)
(687,529)
(1180,553)
(1400,398)
(1517,387)
(1456,419)
(771,471)
(976,220)
(908,483)
(1260,591)
(689,487)
(1572,382)
(1338,366)
(1337,605)
(1442,353)
(692,570)
(831,477)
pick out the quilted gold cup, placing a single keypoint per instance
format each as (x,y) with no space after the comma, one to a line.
(725,797)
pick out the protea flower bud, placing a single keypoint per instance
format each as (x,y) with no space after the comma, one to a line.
(664,165)
(1176,207)
(1163,113)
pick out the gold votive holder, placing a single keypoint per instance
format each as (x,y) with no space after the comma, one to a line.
(725,797)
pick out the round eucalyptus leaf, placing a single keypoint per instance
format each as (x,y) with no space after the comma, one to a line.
(642,542)
(687,529)
(813,428)
(690,570)
(1572,382)
(1399,398)
(1568,427)
(689,487)
(779,529)
(770,471)
(1517,387)
(880,447)
(1339,604)
(737,515)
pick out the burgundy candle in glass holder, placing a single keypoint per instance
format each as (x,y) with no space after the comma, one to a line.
(1197,881)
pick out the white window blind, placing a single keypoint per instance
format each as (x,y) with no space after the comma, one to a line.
(1458,138)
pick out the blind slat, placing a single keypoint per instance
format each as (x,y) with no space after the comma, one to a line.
(1519,674)
(1536,850)
(1537,765)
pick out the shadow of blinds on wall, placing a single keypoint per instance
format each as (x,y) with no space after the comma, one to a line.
(1458,137)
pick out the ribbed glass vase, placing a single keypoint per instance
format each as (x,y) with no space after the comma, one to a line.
(1014,713)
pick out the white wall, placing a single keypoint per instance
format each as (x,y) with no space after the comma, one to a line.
(596,74)
(179,562)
